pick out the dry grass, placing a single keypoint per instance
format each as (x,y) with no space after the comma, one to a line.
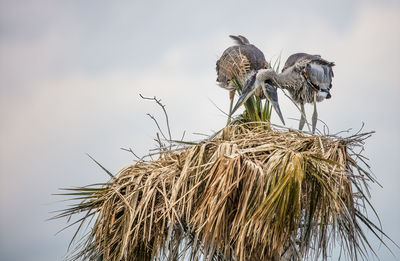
(253,192)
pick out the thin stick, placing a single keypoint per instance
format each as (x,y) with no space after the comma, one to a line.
(183,135)
(295,104)
(131,151)
(158,126)
(216,106)
(163,108)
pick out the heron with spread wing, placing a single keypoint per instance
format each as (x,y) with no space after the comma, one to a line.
(308,78)
(241,62)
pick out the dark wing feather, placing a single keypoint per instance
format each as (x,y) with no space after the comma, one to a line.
(238,60)
(319,72)
(239,40)
(233,63)
(255,56)
(244,39)
(319,76)
(294,58)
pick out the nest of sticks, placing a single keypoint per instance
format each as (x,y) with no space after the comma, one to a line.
(252,192)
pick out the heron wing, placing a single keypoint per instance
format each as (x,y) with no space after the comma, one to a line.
(244,39)
(233,63)
(239,40)
(296,58)
(237,61)
(319,73)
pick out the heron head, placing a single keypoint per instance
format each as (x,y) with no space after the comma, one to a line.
(265,75)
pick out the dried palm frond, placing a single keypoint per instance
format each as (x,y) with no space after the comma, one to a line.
(253,192)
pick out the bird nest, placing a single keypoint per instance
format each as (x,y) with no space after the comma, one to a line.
(252,192)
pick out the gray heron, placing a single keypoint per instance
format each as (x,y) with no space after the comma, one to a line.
(308,79)
(241,62)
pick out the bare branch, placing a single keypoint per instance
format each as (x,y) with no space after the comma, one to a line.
(158,126)
(201,134)
(183,135)
(158,140)
(295,104)
(325,128)
(131,151)
(163,108)
(226,114)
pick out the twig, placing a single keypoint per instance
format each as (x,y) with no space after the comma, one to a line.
(362,127)
(185,142)
(325,126)
(340,132)
(158,126)
(131,151)
(226,114)
(149,155)
(200,134)
(163,108)
(295,104)
(183,135)
(160,144)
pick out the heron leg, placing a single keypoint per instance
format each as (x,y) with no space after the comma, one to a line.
(315,114)
(231,96)
(303,117)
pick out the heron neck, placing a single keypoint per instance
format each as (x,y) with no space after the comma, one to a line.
(283,79)
(275,77)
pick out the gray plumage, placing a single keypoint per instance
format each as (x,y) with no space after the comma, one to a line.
(238,61)
(291,60)
(308,78)
(305,74)
(240,39)
(255,83)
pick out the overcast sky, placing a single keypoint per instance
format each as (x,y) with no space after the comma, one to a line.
(71,72)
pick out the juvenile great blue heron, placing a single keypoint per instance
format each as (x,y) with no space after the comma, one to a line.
(237,63)
(308,78)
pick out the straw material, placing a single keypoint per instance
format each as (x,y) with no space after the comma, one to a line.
(253,192)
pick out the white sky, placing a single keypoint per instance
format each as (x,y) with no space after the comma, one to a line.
(71,72)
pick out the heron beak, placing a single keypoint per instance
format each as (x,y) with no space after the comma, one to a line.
(247,91)
(272,95)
